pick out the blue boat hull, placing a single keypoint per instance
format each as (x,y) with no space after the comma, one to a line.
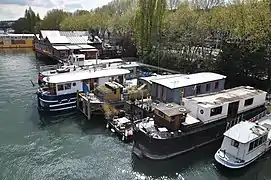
(50,103)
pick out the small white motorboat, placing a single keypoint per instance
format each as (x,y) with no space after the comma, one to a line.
(122,127)
(244,143)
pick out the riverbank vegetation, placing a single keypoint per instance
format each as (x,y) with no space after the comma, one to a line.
(228,37)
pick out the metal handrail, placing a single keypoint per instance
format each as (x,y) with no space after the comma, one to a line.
(48,67)
(258,116)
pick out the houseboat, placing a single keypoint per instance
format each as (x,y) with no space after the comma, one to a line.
(200,120)
(148,80)
(244,143)
(78,62)
(61,89)
(16,40)
(58,45)
(170,89)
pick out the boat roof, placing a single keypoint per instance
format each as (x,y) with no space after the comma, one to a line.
(86,74)
(17,35)
(122,120)
(189,80)
(89,63)
(229,95)
(86,46)
(171,109)
(130,65)
(73,47)
(158,76)
(101,61)
(60,48)
(247,131)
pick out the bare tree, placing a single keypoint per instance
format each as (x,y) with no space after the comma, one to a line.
(173,4)
(206,4)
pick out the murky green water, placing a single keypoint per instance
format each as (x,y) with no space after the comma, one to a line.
(68,147)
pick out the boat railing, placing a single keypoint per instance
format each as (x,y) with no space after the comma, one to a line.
(258,116)
(49,67)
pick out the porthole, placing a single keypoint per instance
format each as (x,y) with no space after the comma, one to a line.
(73,84)
(201,111)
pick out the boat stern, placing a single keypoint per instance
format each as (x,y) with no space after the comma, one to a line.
(54,103)
(229,161)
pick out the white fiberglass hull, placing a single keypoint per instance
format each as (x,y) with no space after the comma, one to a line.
(231,163)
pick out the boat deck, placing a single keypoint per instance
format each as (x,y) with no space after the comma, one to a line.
(228,160)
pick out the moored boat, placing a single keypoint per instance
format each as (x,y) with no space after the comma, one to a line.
(244,143)
(203,119)
(60,92)
(122,126)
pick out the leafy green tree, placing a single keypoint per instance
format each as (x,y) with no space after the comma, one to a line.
(148,22)
(28,23)
(20,25)
(53,19)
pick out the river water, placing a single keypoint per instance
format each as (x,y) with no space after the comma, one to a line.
(34,146)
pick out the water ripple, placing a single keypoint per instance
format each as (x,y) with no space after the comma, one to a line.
(73,148)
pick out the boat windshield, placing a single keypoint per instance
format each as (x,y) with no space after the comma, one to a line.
(49,89)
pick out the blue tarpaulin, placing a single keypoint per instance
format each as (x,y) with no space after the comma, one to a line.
(85,88)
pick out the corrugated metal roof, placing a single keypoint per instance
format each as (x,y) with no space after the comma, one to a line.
(60,48)
(86,46)
(74,33)
(58,39)
(68,37)
(78,40)
(54,37)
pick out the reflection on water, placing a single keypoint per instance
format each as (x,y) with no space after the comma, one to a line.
(43,146)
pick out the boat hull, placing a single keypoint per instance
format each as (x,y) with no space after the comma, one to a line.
(159,149)
(224,161)
(228,164)
(49,103)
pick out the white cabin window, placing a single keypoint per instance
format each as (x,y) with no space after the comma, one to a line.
(60,87)
(248,102)
(216,111)
(67,86)
(257,143)
(234,143)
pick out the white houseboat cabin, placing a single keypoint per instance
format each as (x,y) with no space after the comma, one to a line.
(244,143)
(206,116)
(60,91)
(78,62)
(225,104)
